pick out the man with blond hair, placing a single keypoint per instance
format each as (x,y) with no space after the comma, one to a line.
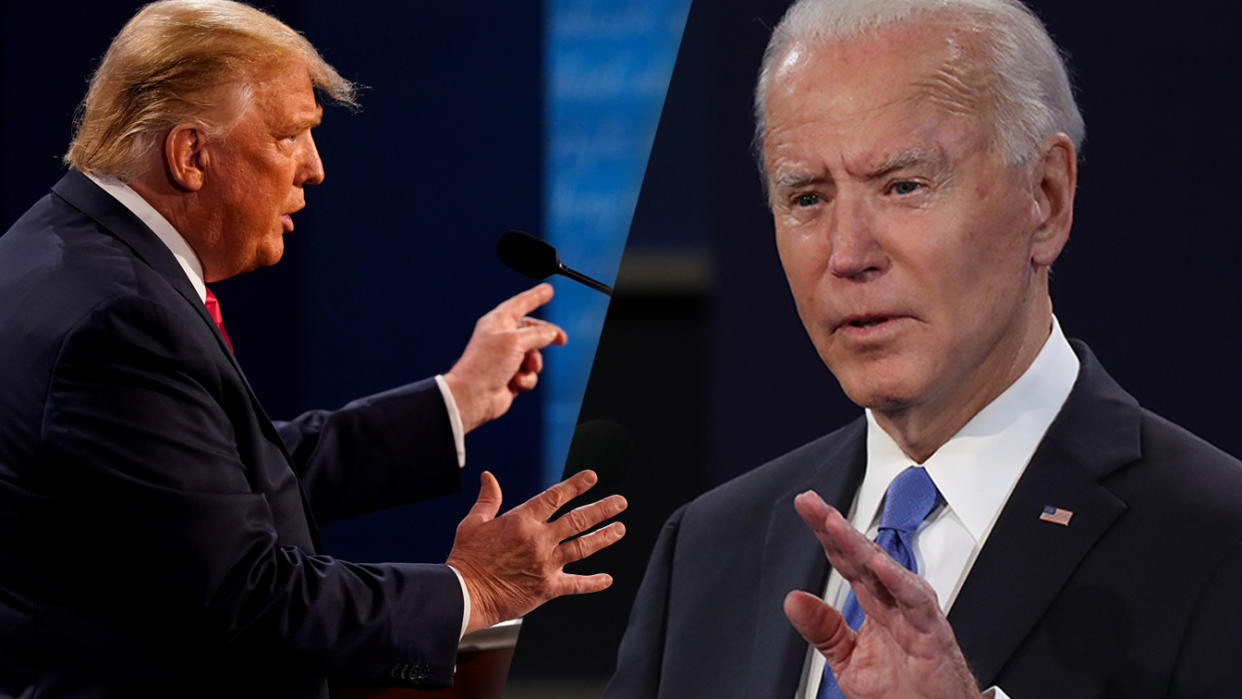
(1004,519)
(156,528)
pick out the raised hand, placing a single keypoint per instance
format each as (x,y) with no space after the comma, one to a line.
(502,357)
(905,647)
(513,563)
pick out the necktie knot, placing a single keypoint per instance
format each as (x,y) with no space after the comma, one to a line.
(910,498)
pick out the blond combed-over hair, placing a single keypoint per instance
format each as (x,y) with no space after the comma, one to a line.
(179,61)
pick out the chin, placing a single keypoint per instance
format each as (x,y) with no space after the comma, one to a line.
(881,386)
(880,399)
(269,254)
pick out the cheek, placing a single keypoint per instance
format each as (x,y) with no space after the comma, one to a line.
(992,244)
(1003,253)
(985,280)
(803,248)
(804,260)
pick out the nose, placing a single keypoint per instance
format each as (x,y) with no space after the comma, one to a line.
(856,251)
(311,169)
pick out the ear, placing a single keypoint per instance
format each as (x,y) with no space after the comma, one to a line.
(1055,180)
(185,156)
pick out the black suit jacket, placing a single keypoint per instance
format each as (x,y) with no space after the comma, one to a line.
(155,528)
(1140,596)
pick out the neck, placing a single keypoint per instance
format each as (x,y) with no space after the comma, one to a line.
(180,208)
(164,197)
(921,429)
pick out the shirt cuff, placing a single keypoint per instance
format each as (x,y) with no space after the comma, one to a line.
(465,604)
(459,437)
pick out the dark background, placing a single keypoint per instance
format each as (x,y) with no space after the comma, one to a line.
(728,378)
(393,259)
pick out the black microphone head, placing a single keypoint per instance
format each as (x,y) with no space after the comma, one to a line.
(524,253)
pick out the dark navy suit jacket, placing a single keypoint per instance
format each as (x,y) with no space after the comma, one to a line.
(156,536)
(1140,596)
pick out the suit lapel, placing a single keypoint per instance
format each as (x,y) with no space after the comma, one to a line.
(1025,561)
(88,198)
(84,195)
(793,559)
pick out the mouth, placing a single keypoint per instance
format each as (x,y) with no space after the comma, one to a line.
(867,323)
(286,221)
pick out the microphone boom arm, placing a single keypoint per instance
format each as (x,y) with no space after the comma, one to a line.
(584,279)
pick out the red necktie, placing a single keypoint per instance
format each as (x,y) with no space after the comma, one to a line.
(213,310)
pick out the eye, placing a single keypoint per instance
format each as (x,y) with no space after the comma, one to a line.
(806,199)
(904,187)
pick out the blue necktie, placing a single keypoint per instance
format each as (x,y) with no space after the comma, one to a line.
(910,498)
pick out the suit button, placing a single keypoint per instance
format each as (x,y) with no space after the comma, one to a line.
(420,671)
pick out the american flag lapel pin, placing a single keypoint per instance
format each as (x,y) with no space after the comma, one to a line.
(1056,515)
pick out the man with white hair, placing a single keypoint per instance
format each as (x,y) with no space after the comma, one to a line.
(1014,523)
(157,533)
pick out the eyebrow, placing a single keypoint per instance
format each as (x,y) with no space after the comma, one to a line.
(310,122)
(932,156)
(795,180)
(318,118)
(908,158)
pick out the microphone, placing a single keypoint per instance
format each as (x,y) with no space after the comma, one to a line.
(537,259)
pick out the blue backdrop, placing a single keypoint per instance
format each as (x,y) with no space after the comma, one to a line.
(608,64)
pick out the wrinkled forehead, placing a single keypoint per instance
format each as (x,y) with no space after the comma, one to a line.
(283,95)
(935,62)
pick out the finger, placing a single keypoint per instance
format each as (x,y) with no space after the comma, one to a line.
(580,547)
(517,306)
(821,625)
(533,361)
(488,503)
(583,518)
(814,511)
(582,584)
(850,553)
(523,381)
(875,600)
(916,599)
(847,549)
(532,321)
(551,500)
(859,569)
(534,336)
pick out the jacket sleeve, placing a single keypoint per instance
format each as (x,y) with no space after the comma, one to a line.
(389,449)
(641,655)
(163,539)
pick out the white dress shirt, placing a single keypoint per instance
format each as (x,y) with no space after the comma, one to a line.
(193,268)
(975,471)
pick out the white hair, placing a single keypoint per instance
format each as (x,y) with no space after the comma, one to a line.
(1029,89)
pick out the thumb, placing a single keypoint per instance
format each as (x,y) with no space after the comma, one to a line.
(821,625)
(488,503)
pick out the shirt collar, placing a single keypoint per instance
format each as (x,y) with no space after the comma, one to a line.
(160,226)
(977,468)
